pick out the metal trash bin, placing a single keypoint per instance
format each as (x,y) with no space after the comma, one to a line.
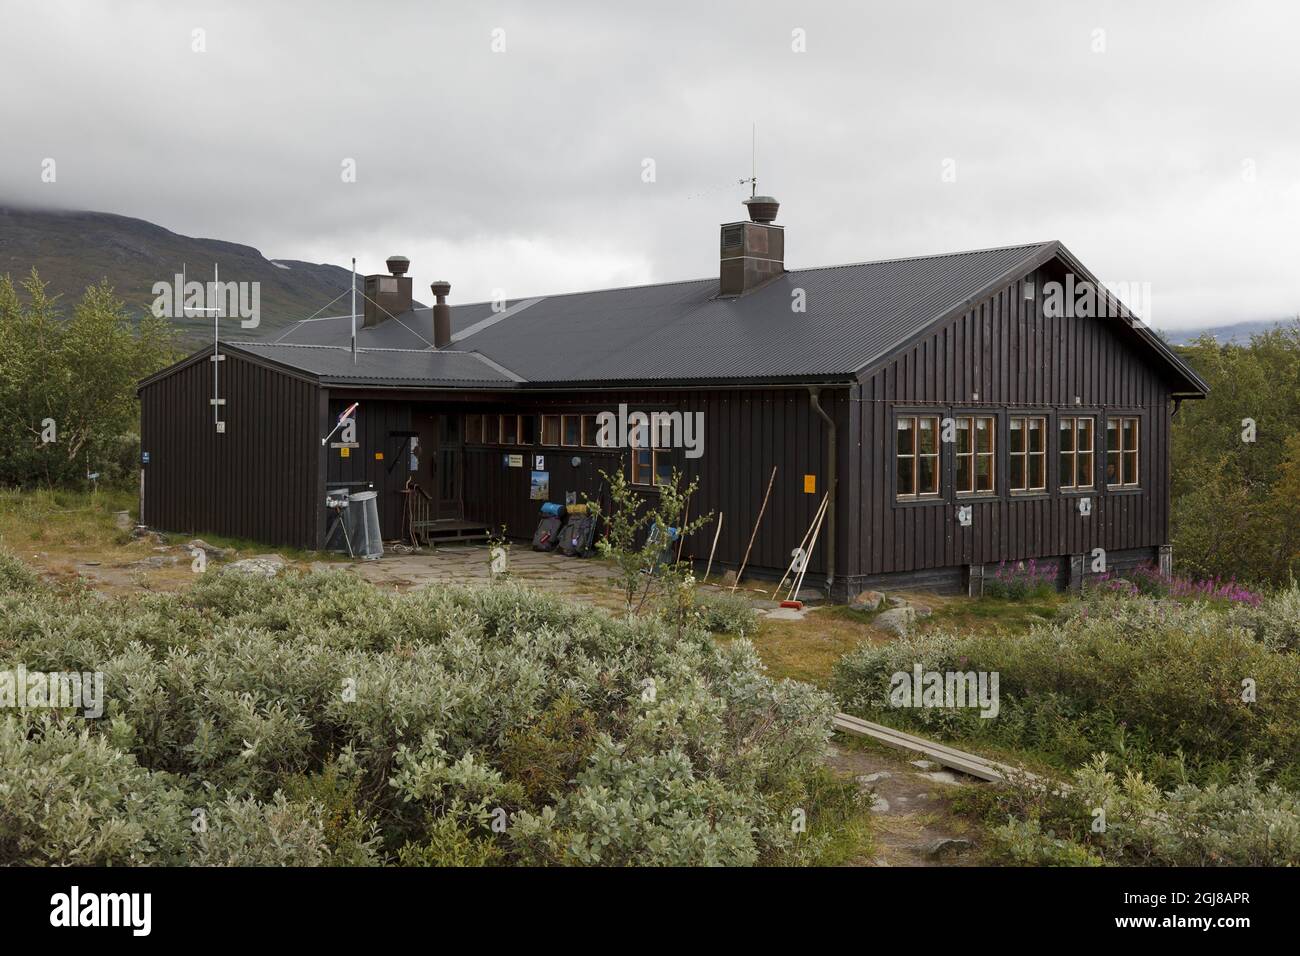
(362,516)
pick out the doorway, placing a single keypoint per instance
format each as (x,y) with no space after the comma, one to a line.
(438,456)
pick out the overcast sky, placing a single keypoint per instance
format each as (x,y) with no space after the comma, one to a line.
(1160,141)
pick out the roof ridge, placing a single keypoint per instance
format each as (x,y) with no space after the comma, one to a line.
(837,265)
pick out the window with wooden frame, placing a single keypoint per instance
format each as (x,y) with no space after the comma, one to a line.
(916,457)
(527,429)
(473,429)
(550,429)
(590,430)
(650,465)
(507,429)
(1027,446)
(1075,450)
(976,455)
(1123,440)
(571,426)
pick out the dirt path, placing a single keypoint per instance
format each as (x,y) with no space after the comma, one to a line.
(915,824)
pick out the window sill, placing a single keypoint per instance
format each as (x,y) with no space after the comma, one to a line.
(1123,489)
(1030,495)
(918,502)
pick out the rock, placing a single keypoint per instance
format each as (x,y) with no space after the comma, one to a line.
(729,579)
(924,764)
(897,602)
(209,550)
(122,520)
(786,614)
(811,594)
(946,846)
(941,776)
(921,610)
(867,601)
(880,805)
(897,621)
(262,565)
(869,778)
(142,532)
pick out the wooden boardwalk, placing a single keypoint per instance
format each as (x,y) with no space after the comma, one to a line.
(967,763)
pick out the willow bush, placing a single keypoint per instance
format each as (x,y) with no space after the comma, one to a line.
(316,720)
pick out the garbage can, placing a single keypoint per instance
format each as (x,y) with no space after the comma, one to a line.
(362,517)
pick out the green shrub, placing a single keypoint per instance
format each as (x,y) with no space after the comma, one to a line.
(1275,622)
(1161,686)
(723,613)
(1103,818)
(316,720)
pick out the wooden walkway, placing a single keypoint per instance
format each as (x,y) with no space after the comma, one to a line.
(948,756)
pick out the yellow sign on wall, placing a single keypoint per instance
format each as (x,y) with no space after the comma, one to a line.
(344,452)
(810,484)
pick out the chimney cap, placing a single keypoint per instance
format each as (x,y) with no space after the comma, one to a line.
(440,288)
(398,265)
(762,208)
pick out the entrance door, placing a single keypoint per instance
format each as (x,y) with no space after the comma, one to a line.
(448,467)
(439,472)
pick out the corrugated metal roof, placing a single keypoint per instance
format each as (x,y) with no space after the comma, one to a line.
(817,324)
(682,331)
(396,368)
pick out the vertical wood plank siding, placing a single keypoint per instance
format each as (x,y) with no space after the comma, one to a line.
(746,432)
(1015,358)
(257,480)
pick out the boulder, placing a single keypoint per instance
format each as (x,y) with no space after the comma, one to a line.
(210,550)
(897,602)
(867,601)
(946,847)
(262,565)
(921,610)
(897,621)
(729,579)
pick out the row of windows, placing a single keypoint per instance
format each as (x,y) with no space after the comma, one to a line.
(650,466)
(919,438)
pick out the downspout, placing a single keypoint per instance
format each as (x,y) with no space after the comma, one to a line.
(814,399)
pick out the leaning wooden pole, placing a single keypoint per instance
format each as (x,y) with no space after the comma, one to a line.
(717,531)
(802,544)
(797,585)
(681,536)
(754,533)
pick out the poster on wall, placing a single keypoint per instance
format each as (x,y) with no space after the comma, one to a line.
(540,487)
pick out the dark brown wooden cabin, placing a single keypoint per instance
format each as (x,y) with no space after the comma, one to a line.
(957,415)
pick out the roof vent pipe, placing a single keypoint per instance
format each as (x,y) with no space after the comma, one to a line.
(441,314)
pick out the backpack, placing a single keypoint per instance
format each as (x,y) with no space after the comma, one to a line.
(547,535)
(577,536)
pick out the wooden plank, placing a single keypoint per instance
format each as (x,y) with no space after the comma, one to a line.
(950,757)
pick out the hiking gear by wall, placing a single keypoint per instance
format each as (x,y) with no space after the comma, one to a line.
(553,509)
(547,535)
(576,537)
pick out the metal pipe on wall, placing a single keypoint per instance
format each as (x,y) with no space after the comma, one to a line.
(814,399)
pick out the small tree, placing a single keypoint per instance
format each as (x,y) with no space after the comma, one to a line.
(640,540)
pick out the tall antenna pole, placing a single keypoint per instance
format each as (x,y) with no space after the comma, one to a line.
(753,152)
(216,351)
(354,310)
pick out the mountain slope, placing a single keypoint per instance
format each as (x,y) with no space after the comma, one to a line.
(72,250)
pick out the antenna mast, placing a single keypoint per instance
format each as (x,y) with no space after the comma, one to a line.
(753,153)
(354,310)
